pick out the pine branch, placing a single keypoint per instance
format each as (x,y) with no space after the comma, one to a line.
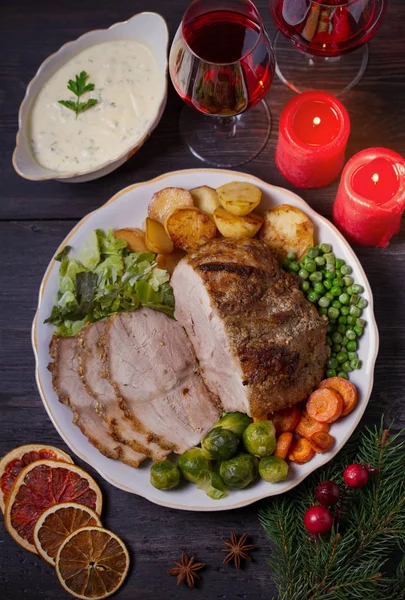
(349,564)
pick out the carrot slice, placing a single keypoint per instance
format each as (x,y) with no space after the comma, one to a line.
(283,445)
(308,426)
(325,405)
(301,451)
(263,418)
(321,441)
(286,419)
(346,389)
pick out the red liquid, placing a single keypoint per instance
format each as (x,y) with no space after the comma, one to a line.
(330,28)
(377,181)
(316,123)
(226,66)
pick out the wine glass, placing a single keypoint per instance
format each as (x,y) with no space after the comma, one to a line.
(222,65)
(331,37)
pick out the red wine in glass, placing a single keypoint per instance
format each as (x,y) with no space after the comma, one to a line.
(222,65)
(326,29)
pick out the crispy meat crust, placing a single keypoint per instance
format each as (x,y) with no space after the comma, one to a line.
(275,334)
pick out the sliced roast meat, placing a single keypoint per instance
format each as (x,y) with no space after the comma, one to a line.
(152,365)
(70,389)
(106,401)
(260,344)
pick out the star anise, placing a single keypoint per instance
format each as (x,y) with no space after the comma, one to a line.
(237,549)
(186,570)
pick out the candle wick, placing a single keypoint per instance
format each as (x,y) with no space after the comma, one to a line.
(316,121)
(375,178)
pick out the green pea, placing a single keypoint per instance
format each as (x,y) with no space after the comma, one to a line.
(355,311)
(355,363)
(332,322)
(345,310)
(303,274)
(352,356)
(348,281)
(322,311)
(310,266)
(354,298)
(338,281)
(344,298)
(358,330)
(324,302)
(342,324)
(337,338)
(331,373)
(305,286)
(313,297)
(291,256)
(341,357)
(351,320)
(294,267)
(336,348)
(362,303)
(337,304)
(346,270)
(331,269)
(330,258)
(327,284)
(328,341)
(320,261)
(339,263)
(344,341)
(357,289)
(336,290)
(351,346)
(285,264)
(350,334)
(330,328)
(361,322)
(333,363)
(329,275)
(329,296)
(347,367)
(313,252)
(350,290)
(333,312)
(318,288)
(342,374)
(316,276)
(325,248)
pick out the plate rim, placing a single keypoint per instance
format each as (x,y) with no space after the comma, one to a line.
(208,508)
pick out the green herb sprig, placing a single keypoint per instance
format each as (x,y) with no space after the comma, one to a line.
(79,87)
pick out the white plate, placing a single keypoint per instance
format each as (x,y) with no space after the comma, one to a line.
(129,208)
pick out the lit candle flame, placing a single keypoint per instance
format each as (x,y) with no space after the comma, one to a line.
(316,121)
(375,178)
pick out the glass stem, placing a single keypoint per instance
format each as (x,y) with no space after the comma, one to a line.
(226,126)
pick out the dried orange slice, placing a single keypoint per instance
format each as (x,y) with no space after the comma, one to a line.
(92,563)
(38,487)
(57,523)
(16,460)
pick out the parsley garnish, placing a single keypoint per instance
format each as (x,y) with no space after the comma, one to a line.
(79,87)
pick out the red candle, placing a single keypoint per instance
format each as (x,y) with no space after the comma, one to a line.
(371,197)
(314,129)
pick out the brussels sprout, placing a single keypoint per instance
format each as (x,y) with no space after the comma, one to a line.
(220,444)
(164,475)
(235,422)
(192,463)
(239,471)
(260,438)
(212,485)
(273,469)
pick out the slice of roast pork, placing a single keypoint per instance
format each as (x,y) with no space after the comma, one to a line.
(152,365)
(68,385)
(260,344)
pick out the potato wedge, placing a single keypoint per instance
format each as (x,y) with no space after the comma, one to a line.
(232,226)
(166,200)
(156,238)
(135,238)
(170,261)
(189,228)
(287,229)
(205,198)
(239,198)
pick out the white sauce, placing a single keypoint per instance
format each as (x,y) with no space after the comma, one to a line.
(128,87)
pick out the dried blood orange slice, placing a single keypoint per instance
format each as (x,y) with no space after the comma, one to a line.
(38,487)
(16,460)
(92,563)
(57,523)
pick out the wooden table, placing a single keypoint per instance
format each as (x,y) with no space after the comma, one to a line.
(35,217)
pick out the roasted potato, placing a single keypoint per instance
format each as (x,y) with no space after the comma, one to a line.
(232,226)
(170,261)
(156,238)
(189,228)
(239,198)
(287,229)
(135,238)
(165,201)
(205,198)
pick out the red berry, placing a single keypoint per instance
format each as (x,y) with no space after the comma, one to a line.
(317,520)
(327,493)
(356,476)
